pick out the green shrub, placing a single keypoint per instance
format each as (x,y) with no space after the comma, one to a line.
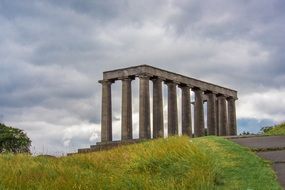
(274,130)
(13,140)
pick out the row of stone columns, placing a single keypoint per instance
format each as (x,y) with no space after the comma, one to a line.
(221,119)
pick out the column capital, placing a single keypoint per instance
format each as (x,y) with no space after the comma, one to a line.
(231,98)
(144,76)
(156,78)
(209,92)
(106,81)
(182,85)
(194,88)
(212,92)
(169,82)
(127,78)
(221,95)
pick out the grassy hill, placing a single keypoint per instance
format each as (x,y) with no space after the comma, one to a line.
(173,163)
(276,130)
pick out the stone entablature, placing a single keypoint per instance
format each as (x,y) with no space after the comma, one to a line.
(167,75)
(221,112)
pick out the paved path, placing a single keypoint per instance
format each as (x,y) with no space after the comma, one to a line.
(270,148)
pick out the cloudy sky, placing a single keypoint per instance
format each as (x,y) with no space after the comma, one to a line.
(52,53)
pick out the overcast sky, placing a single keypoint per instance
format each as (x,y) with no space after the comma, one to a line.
(52,53)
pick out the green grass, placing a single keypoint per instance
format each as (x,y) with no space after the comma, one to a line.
(173,163)
(276,130)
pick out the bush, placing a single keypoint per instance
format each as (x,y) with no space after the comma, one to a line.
(274,130)
(13,140)
(247,133)
(266,129)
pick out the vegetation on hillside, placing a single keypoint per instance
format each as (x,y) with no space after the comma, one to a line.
(274,130)
(13,140)
(172,163)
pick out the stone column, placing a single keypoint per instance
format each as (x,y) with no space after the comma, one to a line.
(217,115)
(198,113)
(127,132)
(172,109)
(144,108)
(211,114)
(232,128)
(222,115)
(186,111)
(106,117)
(158,127)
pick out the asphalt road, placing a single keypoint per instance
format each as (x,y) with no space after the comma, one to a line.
(270,148)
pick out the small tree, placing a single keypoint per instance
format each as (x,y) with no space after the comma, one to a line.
(13,140)
(266,129)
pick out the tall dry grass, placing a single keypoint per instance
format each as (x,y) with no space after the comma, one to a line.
(172,163)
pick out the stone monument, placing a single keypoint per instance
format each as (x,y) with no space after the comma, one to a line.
(221,111)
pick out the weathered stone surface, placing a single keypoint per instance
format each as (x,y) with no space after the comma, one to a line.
(280,171)
(221,119)
(211,114)
(232,117)
(167,75)
(198,113)
(158,127)
(222,115)
(275,156)
(261,142)
(106,117)
(144,108)
(172,109)
(186,111)
(217,116)
(127,132)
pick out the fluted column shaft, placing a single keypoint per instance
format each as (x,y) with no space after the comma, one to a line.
(172,109)
(217,116)
(158,128)
(222,115)
(127,132)
(211,114)
(106,117)
(232,117)
(144,108)
(186,111)
(198,113)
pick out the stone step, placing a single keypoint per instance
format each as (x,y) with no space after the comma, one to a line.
(262,143)
(121,141)
(100,146)
(83,150)
(280,171)
(274,156)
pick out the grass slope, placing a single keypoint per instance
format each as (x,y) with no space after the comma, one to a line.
(276,130)
(173,163)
